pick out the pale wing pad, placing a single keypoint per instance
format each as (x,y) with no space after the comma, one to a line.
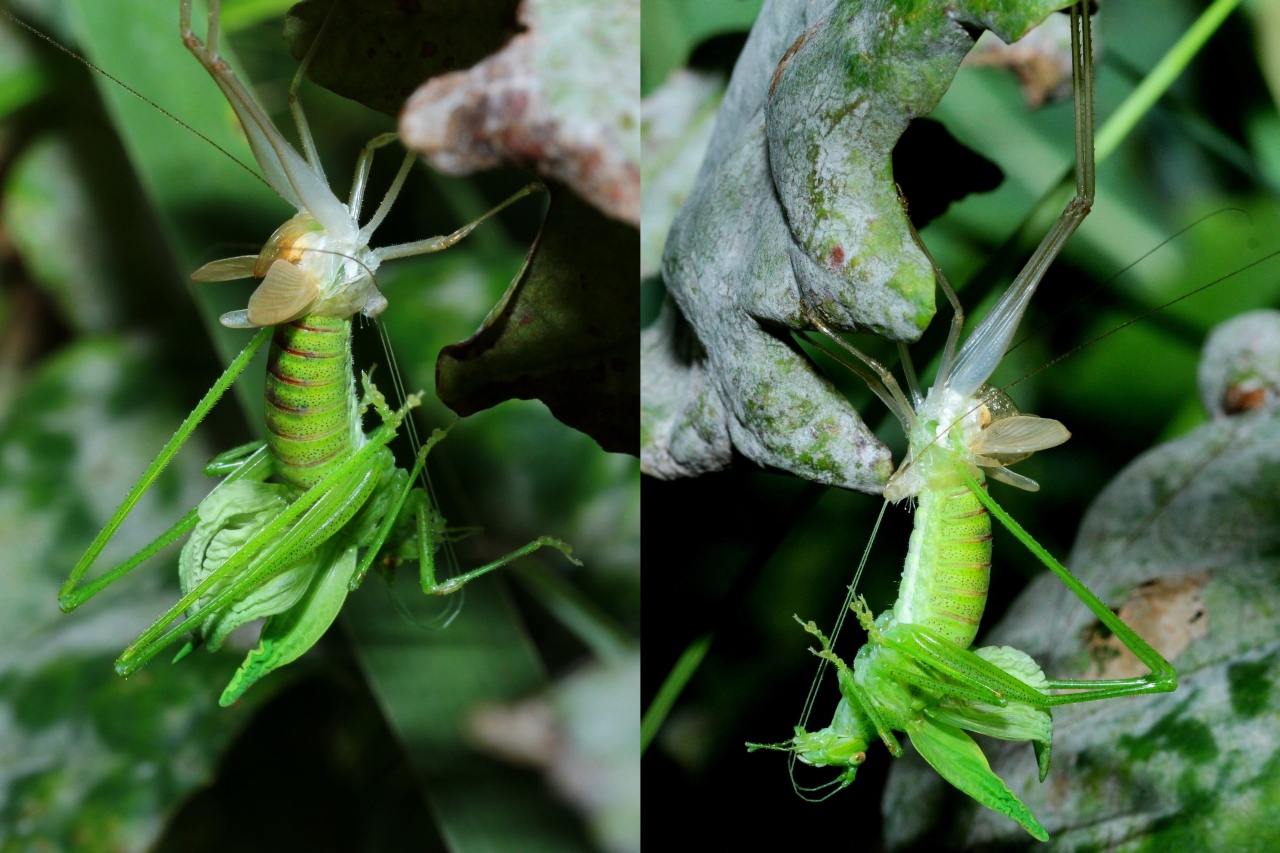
(1019,435)
(227,269)
(283,295)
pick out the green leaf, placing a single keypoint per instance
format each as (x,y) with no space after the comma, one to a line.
(240,14)
(428,677)
(378,52)
(50,220)
(21,79)
(563,333)
(673,28)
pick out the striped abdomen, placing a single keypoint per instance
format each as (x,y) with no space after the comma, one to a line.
(948,568)
(310,399)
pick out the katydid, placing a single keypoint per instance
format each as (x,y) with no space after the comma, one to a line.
(300,518)
(917,673)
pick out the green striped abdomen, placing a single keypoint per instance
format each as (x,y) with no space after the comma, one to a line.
(948,567)
(310,398)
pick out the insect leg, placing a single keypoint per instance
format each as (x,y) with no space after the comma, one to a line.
(964,666)
(393,513)
(69,597)
(857,694)
(232,460)
(1163,677)
(984,349)
(362,170)
(435,244)
(427,560)
(307,523)
(389,199)
(957,312)
(851,690)
(284,169)
(300,117)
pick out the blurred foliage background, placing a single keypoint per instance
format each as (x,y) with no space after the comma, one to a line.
(106,206)
(755,547)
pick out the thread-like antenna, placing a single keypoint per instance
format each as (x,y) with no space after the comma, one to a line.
(132,91)
(807,711)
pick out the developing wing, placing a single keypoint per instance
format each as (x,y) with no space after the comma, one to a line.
(1019,435)
(283,295)
(227,269)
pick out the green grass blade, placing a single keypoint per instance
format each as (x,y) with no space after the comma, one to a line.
(428,678)
(656,714)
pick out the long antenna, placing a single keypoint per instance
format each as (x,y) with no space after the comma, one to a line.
(132,91)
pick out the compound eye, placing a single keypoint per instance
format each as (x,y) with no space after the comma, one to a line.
(858,758)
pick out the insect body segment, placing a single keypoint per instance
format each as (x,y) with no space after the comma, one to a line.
(311,420)
(917,673)
(948,568)
(291,549)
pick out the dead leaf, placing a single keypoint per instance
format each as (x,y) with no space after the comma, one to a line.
(378,51)
(564,333)
(562,98)
(1168,613)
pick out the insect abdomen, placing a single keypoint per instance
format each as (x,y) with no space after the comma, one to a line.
(309,398)
(948,569)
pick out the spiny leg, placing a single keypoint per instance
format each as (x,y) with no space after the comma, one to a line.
(850,688)
(306,523)
(393,511)
(71,597)
(878,379)
(1078,207)
(427,557)
(1163,677)
(292,535)
(965,667)
(389,199)
(436,244)
(422,513)
(287,172)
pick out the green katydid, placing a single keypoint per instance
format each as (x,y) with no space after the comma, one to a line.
(290,549)
(916,673)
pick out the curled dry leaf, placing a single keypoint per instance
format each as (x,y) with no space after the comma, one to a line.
(796,204)
(676,125)
(562,98)
(564,332)
(378,51)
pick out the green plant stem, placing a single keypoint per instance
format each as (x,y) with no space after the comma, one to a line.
(671,688)
(1160,78)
